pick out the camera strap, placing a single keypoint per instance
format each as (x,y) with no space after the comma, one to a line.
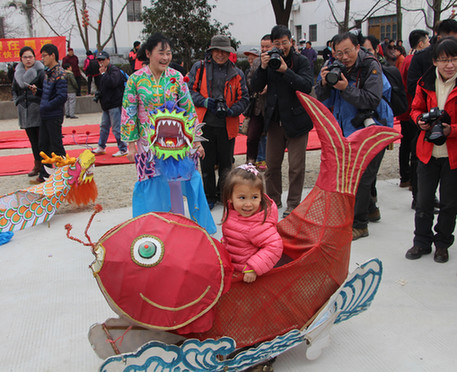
(200,75)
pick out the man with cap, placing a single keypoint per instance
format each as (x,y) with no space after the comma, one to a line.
(74,62)
(110,95)
(220,95)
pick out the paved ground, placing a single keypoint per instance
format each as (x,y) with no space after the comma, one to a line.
(50,299)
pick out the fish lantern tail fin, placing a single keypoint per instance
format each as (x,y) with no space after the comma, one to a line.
(343,160)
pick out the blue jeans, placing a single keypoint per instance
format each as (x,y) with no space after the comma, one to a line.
(111,118)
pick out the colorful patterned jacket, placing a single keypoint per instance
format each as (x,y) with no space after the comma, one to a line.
(143,94)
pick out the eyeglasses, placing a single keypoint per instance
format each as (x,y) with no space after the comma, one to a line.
(284,43)
(445,61)
(27,57)
(346,52)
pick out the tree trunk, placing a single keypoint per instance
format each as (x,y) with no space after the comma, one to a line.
(282,11)
(399,21)
(436,12)
(347,7)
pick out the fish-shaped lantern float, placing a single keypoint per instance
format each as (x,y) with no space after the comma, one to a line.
(317,238)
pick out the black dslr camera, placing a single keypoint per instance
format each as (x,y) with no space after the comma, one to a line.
(97,96)
(435,117)
(334,72)
(364,118)
(221,108)
(275,58)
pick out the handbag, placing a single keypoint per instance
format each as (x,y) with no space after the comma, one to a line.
(244,126)
(250,108)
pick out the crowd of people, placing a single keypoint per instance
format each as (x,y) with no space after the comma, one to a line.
(363,82)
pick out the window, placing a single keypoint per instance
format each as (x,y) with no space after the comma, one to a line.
(383,27)
(298,33)
(312,32)
(134,11)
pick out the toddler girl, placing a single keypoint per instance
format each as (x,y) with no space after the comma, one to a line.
(249,223)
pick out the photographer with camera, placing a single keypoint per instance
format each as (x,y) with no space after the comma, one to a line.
(354,87)
(220,95)
(110,96)
(287,124)
(434,109)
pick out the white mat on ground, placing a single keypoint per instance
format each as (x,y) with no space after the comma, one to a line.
(50,299)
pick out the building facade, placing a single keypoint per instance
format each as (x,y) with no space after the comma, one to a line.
(312,19)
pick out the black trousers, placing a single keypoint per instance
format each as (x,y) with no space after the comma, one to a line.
(33,134)
(51,139)
(363,198)
(436,171)
(218,151)
(409,131)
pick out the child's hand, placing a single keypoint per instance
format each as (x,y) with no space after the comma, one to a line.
(249,277)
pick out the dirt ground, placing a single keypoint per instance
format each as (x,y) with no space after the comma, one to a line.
(115,182)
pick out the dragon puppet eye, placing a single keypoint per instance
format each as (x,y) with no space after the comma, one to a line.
(147,250)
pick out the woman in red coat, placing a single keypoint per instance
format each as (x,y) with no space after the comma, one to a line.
(437,153)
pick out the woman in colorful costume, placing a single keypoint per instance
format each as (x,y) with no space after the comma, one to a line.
(163,155)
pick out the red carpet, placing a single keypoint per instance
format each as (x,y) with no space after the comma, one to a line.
(74,135)
(22,164)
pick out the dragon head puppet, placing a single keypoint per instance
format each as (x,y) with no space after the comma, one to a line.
(172,132)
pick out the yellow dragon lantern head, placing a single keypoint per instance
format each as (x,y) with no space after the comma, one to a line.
(171,132)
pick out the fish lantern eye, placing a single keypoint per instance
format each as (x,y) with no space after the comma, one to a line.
(147,250)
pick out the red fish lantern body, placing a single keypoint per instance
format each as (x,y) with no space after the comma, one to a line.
(162,273)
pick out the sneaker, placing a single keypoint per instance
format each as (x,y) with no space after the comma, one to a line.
(287,212)
(359,233)
(99,151)
(73,117)
(261,165)
(415,252)
(120,153)
(374,216)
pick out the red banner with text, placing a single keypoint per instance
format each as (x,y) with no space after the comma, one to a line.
(9,48)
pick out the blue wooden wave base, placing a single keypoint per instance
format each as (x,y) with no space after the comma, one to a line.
(353,297)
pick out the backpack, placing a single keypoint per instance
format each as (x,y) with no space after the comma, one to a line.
(125,77)
(398,101)
(93,68)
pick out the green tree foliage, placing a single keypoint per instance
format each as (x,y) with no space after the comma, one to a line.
(187,23)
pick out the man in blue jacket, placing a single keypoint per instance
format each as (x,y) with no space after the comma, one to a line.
(52,106)
(357,101)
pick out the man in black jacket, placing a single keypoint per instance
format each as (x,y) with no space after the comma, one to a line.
(110,95)
(422,61)
(286,122)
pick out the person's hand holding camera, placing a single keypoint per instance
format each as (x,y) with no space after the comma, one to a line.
(283,67)
(342,83)
(423,125)
(264,59)
(324,72)
(211,104)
